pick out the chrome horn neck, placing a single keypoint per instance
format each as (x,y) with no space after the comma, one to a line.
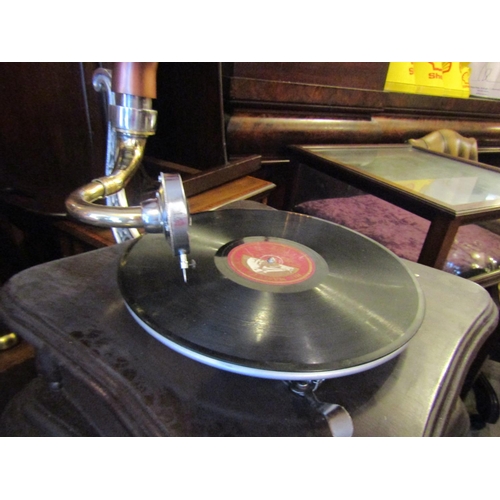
(131,120)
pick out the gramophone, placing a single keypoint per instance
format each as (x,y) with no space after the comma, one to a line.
(266,294)
(241,321)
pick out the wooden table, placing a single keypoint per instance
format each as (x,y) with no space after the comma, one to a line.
(445,190)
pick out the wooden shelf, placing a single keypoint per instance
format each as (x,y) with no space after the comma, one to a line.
(245,188)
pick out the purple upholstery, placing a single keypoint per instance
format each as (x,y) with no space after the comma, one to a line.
(404,233)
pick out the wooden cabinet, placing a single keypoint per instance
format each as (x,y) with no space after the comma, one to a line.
(272,105)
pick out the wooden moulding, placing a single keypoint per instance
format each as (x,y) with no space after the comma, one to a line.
(270,134)
(272,105)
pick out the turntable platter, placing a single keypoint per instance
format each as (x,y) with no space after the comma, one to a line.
(275,295)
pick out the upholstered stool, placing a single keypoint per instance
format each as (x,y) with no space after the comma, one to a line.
(474,250)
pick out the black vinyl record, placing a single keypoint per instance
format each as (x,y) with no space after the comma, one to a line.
(275,295)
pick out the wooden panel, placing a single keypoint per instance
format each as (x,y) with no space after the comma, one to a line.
(190,118)
(338,88)
(245,188)
(272,105)
(51,129)
(269,134)
(217,176)
(359,75)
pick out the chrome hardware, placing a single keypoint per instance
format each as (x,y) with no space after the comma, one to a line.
(168,213)
(338,419)
(131,120)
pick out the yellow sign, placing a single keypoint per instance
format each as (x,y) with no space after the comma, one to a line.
(447,79)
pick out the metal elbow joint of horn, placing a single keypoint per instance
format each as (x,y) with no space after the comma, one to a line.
(81,202)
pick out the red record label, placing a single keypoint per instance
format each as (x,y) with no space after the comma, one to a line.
(271,263)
